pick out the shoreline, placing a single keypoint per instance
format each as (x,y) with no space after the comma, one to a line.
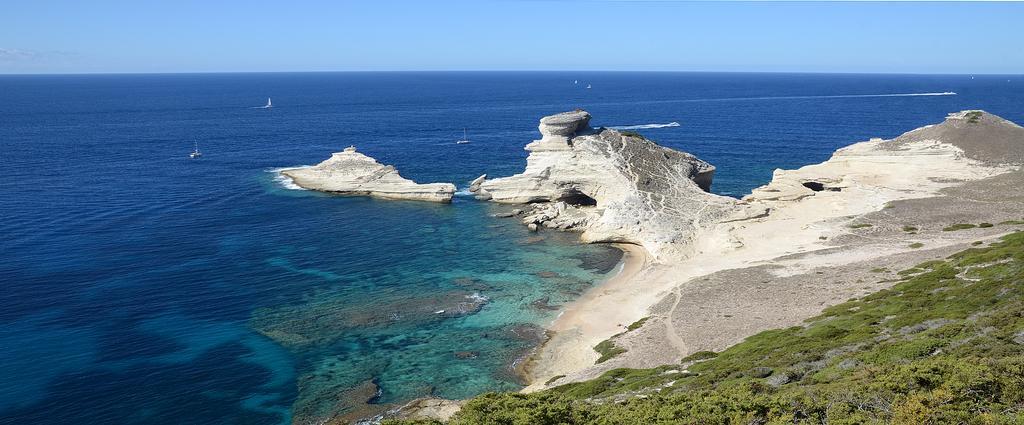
(809,239)
(692,306)
(285,181)
(572,320)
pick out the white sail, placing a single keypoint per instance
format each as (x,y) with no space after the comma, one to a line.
(269,105)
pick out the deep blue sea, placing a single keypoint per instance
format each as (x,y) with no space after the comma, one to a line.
(139,286)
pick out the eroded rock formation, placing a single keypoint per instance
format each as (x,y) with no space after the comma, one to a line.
(352,173)
(612,186)
(968,145)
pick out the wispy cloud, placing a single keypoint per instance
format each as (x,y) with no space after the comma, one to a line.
(12,55)
(23,55)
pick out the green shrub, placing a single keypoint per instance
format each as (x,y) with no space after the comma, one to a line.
(607,349)
(958,226)
(636,325)
(860,226)
(553,379)
(629,133)
(700,355)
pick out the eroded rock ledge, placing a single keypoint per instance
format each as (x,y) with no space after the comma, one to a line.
(352,173)
(968,145)
(612,186)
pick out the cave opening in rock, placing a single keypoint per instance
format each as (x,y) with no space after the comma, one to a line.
(815,186)
(575,197)
(818,187)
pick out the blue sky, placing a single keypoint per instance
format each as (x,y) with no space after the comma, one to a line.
(223,36)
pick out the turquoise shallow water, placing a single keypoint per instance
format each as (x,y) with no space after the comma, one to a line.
(467,309)
(144,287)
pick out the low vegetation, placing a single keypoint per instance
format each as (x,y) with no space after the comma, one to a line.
(637,324)
(699,356)
(959,226)
(909,229)
(607,349)
(945,344)
(916,245)
(860,226)
(974,116)
(629,133)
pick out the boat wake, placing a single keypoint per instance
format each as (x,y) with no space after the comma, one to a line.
(755,98)
(267,106)
(285,181)
(842,96)
(828,96)
(644,126)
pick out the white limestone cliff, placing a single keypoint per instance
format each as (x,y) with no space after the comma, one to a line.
(352,173)
(612,186)
(968,145)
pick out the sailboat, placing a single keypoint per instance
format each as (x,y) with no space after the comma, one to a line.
(268,105)
(195,152)
(465,139)
(588,86)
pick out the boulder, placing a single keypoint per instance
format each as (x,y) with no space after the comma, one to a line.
(475,184)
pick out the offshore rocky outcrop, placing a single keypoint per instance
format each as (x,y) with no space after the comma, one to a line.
(611,186)
(352,173)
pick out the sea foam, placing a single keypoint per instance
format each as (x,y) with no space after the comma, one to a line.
(644,126)
(285,181)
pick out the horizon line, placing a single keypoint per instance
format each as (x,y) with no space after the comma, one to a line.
(396,71)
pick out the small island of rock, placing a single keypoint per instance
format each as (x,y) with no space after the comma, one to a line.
(352,173)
